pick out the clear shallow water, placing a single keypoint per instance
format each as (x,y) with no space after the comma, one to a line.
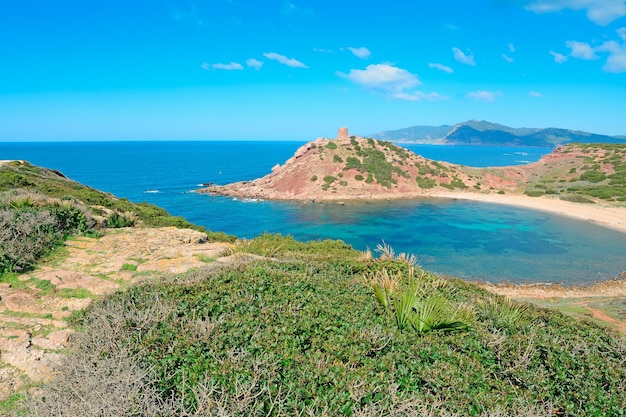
(468,239)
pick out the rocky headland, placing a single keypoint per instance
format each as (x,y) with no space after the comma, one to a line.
(583,181)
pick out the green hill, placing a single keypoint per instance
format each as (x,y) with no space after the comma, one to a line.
(483,133)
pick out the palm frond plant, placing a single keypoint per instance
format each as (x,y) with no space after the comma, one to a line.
(508,312)
(417,302)
(384,284)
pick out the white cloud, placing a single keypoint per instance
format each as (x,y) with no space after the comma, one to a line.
(581,50)
(507,58)
(254,63)
(441,67)
(601,12)
(558,58)
(511,47)
(382,77)
(290,62)
(361,52)
(391,81)
(616,50)
(462,58)
(233,66)
(534,94)
(418,95)
(616,62)
(487,96)
(325,51)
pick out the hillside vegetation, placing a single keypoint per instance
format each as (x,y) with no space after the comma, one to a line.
(317,328)
(306,332)
(583,173)
(364,168)
(39,208)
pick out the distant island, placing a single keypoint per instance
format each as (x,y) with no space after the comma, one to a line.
(587,181)
(483,133)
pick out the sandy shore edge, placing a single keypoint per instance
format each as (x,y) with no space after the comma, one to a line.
(604,215)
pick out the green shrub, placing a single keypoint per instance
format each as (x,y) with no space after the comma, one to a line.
(129,267)
(534,193)
(117,220)
(358,177)
(337,158)
(331,145)
(329,179)
(593,176)
(577,199)
(417,302)
(457,183)
(425,182)
(314,178)
(353,163)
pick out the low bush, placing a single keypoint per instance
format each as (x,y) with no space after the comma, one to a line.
(534,193)
(28,233)
(593,176)
(329,179)
(425,182)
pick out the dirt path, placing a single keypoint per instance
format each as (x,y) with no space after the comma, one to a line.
(604,302)
(33,306)
(602,316)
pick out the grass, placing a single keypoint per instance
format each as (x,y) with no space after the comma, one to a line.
(302,334)
(129,267)
(75,293)
(205,259)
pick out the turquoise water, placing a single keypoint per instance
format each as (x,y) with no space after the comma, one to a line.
(472,240)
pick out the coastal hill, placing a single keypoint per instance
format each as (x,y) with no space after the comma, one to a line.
(483,133)
(352,167)
(106,321)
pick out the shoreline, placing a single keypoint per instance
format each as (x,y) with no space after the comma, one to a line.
(605,215)
(602,215)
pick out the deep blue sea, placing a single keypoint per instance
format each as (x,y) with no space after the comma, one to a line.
(472,240)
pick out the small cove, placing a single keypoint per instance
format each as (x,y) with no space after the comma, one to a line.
(473,240)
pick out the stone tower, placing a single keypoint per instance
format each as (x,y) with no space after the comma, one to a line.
(343,135)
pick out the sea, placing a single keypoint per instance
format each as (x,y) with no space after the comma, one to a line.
(471,240)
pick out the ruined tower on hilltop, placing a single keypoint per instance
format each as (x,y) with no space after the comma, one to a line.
(343,135)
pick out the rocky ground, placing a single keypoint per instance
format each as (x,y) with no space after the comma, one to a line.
(33,306)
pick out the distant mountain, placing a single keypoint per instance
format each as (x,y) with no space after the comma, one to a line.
(483,133)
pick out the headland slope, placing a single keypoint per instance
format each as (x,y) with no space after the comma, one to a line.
(587,181)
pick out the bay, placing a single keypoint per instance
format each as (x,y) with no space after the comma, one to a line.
(472,240)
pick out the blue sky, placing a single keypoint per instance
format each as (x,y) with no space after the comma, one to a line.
(299,69)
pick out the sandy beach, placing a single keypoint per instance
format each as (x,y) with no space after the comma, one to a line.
(604,215)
